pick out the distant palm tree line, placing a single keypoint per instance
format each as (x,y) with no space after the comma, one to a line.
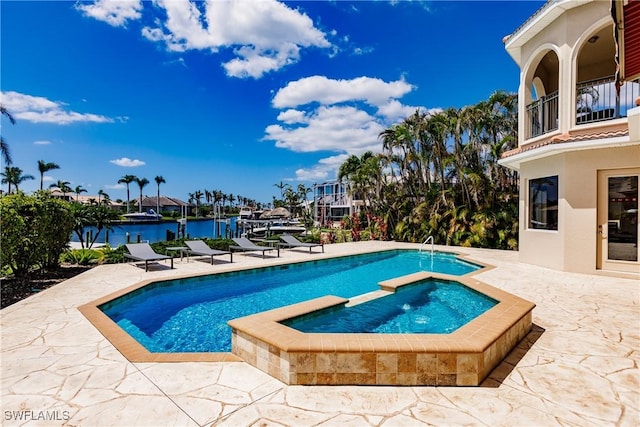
(438,175)
(218,199)
(13,176)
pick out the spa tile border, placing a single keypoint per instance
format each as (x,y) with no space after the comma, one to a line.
(464,357)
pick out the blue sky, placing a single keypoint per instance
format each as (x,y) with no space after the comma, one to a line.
(234,96)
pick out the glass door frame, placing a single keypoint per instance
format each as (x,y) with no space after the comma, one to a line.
(602,260)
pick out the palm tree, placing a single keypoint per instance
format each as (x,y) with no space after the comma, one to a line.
(79,190)
(195,197)
(4,147)
(127,179)
(12,175)
(106,200)
(280,186)
(63,186)
(45,167)
(159,180)
(100,194)
(141,183)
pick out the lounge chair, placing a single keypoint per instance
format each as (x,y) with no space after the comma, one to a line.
(291,242)
(199,247)
(144,252)
(246,245)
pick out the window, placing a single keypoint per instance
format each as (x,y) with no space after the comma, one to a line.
(543,203)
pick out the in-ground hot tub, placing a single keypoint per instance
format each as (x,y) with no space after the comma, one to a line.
(463,357)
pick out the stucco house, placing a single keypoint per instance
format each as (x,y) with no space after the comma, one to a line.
(167,205)
(578,152)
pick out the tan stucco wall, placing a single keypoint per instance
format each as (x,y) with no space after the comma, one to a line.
(573,246)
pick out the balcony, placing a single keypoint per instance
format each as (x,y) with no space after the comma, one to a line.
(542,115)
(597,100)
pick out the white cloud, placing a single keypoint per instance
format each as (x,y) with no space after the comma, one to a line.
(42,142)
(339,116)
(323,90)
(47,178)
(395,111)
(322,170)
(292,116)
(127,162)
(115,13)
(337,128)
(114,186)
(265,35)
(37,109)
(254,63)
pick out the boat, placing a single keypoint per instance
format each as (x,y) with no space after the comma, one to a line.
(246,213)
(263,228)
(150,215)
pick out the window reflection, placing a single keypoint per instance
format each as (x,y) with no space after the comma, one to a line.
(623,218)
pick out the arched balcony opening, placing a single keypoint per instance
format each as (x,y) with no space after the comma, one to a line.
(596,96)
(542,85)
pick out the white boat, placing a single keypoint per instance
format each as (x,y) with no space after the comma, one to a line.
(277,229)
(150,215)
(246,213)
(263,228)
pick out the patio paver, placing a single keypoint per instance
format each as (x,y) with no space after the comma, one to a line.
(579,365)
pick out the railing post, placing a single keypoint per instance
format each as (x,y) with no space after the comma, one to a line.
(541,116)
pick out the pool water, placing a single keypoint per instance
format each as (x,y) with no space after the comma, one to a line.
(428,307)
(191,315)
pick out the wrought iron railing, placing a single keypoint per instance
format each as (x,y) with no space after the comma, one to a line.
(542,115)
(597,100)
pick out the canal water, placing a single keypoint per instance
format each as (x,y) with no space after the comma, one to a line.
(160,231)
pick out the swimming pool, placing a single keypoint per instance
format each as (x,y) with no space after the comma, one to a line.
(191,315)
(426,307)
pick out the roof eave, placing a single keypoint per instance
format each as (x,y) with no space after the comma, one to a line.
(538,21)
(514,162)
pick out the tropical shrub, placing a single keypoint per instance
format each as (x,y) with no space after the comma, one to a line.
(81,256)
(34,231)
(113,255)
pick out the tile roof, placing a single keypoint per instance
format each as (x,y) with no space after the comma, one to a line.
(568,137)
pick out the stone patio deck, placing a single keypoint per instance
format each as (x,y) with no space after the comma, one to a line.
(578,366)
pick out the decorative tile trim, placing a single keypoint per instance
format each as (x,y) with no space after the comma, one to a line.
(464,357)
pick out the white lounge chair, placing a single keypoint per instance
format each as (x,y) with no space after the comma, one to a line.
(144,252)
(291,242)
(245,245)
(199,247)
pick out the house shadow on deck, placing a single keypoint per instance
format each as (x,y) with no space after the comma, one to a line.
(504,369)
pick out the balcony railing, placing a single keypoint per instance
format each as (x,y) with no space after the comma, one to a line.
(597,100)
(542,115)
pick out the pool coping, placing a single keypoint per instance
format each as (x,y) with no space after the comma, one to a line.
(133,351)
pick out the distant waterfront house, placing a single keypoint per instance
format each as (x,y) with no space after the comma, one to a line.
(332,202)
(86,199)
(167,205)
(579,135)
